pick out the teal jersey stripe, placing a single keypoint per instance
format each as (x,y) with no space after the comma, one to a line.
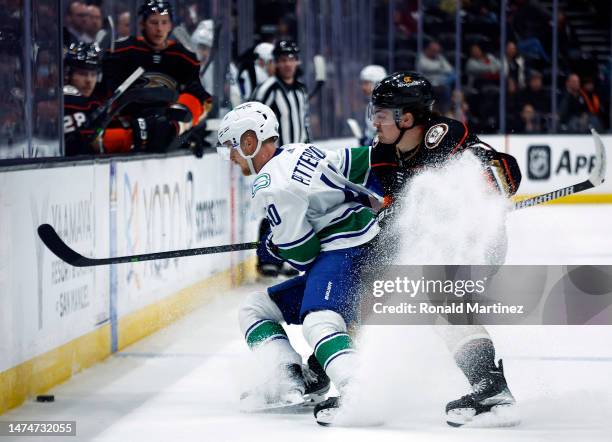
(355,222)
(326,350)
(304,252)
(264,332)
(359,165)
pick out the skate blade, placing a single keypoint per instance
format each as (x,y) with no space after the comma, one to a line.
(333,418)
(277,408)
(499,416)
(316,397)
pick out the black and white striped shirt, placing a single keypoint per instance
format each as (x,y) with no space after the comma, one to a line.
(290,105)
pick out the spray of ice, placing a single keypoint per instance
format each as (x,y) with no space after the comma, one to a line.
(449,215)
(452,215)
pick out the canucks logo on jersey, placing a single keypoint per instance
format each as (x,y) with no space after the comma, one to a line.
(261,182)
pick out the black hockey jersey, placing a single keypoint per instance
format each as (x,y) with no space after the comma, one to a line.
(85,137)
(444,138)
(78,133)
(175,61)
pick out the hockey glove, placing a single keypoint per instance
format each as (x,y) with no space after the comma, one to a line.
(272,248)
(153,133)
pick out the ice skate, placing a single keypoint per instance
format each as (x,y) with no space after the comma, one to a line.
(283,393)
(326,411)
(315,380)
(489,405)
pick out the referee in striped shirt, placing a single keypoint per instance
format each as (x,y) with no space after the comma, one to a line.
(289,100)
(286,95)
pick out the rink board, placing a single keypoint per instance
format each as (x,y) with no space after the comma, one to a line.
(56,319)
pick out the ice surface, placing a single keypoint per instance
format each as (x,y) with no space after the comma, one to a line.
(183,383)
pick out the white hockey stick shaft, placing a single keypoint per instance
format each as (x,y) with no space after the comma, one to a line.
(596,177)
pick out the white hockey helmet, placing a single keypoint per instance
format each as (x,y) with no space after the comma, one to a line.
(373,73)
(264,51)
(252,115)
(204,34)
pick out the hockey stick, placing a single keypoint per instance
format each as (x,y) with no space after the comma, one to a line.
(597,177)
(104,109)
(111,25)
(51,239)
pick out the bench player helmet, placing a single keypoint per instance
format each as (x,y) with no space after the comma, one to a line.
(286,47)
(404,91)
(253,116)
(150,7)
(372,73)
(86,56)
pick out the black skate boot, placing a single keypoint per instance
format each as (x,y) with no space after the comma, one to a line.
(315,380)
(325,412)
(489,405)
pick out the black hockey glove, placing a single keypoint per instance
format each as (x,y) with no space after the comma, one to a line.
(153,133)
(272,248)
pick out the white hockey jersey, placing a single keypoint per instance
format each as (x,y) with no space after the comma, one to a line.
(308,205)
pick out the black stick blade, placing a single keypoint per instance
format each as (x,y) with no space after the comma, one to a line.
(51,239)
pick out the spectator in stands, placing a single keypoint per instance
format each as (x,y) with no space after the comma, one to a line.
(123,25)
(481,68)
(93,23)
(439,72)
(514,65)
(530,122)
(593,103)
(531,24)
(568,46)
(535,95)
(512,105)
(74,22)
(459,108)
(573,110)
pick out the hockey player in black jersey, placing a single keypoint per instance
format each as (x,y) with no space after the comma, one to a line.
(156,53)
(410,138)
(82,135)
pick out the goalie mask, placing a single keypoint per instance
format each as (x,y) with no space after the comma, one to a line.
(253,116)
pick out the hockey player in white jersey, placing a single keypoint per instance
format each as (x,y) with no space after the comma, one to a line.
(320,227)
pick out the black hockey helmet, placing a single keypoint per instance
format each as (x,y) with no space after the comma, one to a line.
(86,56)
(285,47)
(150,7)
(405,90)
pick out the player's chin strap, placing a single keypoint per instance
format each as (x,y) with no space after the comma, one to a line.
(249,158)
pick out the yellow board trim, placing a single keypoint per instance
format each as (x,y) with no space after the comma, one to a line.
(136,325)
(587,198)
(43,372)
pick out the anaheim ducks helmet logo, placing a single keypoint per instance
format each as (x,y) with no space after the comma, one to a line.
(407,79)
(435,134)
